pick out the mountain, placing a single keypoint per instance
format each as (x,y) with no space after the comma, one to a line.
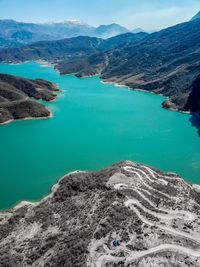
(67,49)
(67,29)
(20,33)
(165,62)
(52,51)
(93,64)
(107,31)
(197,16)
(72,54)
(137,30)
(125,215)
(16,94)
(121,40)
(8,43)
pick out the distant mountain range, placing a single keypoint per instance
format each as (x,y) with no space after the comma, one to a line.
(16,34)
(137,30)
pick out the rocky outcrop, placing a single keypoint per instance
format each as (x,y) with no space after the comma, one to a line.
(16,94)
(169,105)
(126,215)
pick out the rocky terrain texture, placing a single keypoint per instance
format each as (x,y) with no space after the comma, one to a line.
(16,94)
(125,215)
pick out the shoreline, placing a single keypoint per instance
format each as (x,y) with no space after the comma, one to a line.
(48,195)
(146,91)
(27,119)
(53,65)
(56,185)
(45,63)
(57,92)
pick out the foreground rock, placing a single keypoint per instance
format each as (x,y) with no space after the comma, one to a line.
(15,94)
(125,215)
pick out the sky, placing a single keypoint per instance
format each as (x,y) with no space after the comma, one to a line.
(146,14)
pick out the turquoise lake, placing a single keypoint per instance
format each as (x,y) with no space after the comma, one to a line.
(94,125)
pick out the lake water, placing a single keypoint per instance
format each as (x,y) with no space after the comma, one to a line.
(94,125)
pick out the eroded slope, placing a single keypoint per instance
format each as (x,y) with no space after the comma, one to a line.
(154,217)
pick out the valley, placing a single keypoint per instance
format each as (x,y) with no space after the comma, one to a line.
(93,126)
(100,133)
(164,62)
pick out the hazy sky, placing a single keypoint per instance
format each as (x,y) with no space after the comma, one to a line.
(147,14)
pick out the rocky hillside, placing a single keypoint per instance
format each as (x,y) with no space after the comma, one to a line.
(52,51)
(67,49)
(126,215)
(165,62)
(16,94)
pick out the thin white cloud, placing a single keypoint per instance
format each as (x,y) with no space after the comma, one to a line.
(158,18)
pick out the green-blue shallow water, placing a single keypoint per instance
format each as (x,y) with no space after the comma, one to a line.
(94,125)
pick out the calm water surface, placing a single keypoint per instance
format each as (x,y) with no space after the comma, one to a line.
(94,125)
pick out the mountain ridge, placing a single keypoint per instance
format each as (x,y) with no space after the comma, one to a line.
(197,16)
(17,32)
(62,49)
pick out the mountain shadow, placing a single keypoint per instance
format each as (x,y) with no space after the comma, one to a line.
(195,121)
